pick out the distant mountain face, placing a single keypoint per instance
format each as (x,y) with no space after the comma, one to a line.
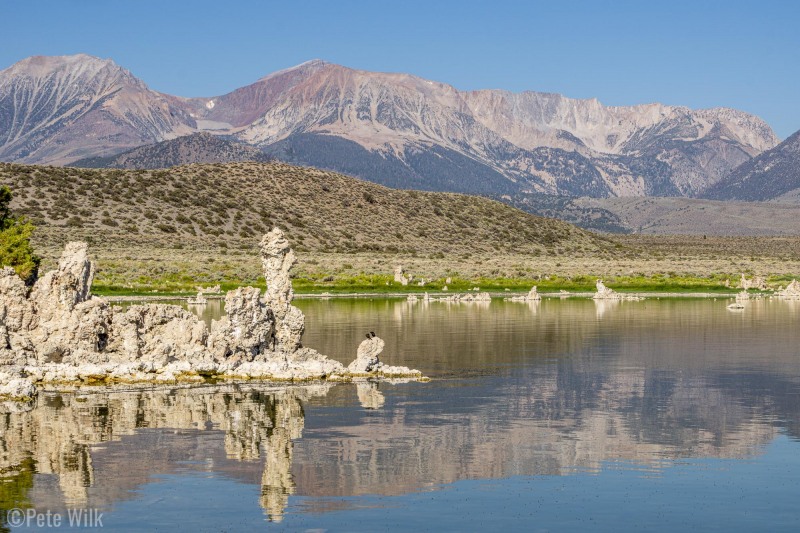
(196,148)
(396,129)
(538,142)
(57,109)
(770,175)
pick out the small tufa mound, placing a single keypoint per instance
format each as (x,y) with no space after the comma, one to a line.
(757,282)
(367,362)
(209,290)
(483,297)
(606,293)
(532,296)
(15,386)
(400,277)
(791,292)
(367,355)
(199,300)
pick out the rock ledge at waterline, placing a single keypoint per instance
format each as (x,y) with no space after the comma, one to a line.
(60,334)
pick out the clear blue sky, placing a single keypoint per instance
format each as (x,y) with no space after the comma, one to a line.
(698,53)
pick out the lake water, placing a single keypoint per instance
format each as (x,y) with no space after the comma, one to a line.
(566,415)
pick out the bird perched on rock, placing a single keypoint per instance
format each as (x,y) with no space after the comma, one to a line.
(372,334)
(368,336)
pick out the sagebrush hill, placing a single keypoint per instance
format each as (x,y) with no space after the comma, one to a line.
(320,211)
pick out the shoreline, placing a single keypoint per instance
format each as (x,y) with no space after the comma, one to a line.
(437,294)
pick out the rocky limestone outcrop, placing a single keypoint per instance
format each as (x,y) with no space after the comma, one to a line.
(483,297)
(741,299)
(757,282)
(200,299)
(791,292)
(156,333)
(607,293)
(247,331)
(16,318)
(367,355)
(400,277)
(278,258)
(60,333)
(14,385)
(367,362)
(209,290)
(72,326)
(532,296)
(603,292)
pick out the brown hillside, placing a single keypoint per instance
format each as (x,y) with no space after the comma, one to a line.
(231,205)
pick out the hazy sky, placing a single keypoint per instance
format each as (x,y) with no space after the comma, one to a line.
(697,53)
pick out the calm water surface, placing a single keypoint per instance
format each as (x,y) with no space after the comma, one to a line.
(566,415)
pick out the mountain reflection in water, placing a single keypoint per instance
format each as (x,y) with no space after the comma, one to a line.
(550,388)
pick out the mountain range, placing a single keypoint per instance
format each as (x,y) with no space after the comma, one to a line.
(395,129)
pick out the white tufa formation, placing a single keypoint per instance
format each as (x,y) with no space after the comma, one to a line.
(603,292)
(209,290)
(367,361)
(607,293)
(61,333)
(532,296)
(199,300)
(400,277)
(791,292)
(462,298)
(367,357)
(757,282)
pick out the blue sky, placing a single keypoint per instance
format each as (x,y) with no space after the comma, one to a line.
(709,53)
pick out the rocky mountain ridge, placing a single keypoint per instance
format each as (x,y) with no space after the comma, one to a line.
(200,148)
(394,129)
(772,175)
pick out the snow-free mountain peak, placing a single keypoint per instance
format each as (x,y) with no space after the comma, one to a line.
(56,109)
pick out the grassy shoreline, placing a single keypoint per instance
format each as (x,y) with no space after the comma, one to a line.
(146,266)
(384,286)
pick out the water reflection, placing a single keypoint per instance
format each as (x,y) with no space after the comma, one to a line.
(90,450)
(605,306)
(369,396)
(558,388)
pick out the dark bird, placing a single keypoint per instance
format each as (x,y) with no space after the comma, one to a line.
(368,336)
(372,333)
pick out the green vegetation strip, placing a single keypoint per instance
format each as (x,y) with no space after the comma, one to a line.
(380,284)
